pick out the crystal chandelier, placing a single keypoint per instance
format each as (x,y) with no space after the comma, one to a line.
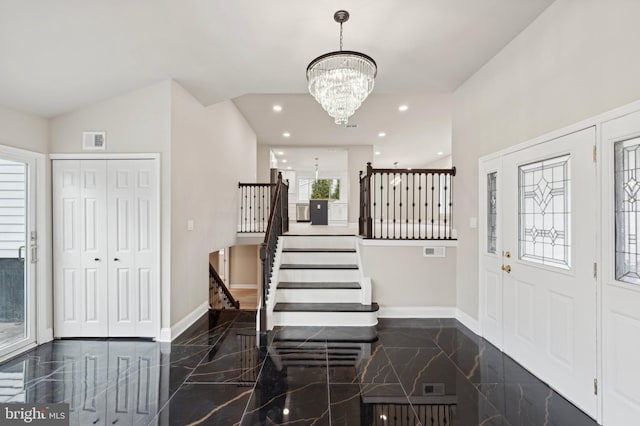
(340,81)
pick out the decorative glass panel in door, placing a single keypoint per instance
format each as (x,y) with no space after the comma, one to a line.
(627,202)
(13,250)
(492,194)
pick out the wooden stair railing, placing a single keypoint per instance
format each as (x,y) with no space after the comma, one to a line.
(278,225)
(219,294)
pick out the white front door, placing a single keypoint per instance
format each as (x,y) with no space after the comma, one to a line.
(133,221)
(491,254)
(549,229)
(621,270)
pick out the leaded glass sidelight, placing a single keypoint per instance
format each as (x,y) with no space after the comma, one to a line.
(491,211)
(544,212)
(627,191)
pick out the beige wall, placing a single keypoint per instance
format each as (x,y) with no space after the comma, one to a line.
(357,159)
(212,149)
(578,59)
(136,122)
(402,277)
(243,268)
(263,163)
(442,163)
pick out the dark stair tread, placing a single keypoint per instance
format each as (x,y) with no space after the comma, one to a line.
(319,285)
(325,307)
(311,266)
(318,250)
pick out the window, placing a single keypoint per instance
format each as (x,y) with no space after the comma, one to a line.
(627,210)
(544,212)
(310,188)
(491,211)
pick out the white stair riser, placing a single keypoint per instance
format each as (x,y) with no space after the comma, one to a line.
(319,275)
(337,319)
(319,258)
(319,242)
(318,296)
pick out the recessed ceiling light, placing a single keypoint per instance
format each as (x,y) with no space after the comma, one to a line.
(440,153)
(378,153)
(286,134)
(277,108)
(382,134)
(288,167)
(403,108)
(280,153)
(284,160)
(408,168)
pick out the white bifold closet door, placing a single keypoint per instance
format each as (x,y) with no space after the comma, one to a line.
(105,248)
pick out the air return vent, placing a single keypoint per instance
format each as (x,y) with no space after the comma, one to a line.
(433,251)
(94,140)
(435,389)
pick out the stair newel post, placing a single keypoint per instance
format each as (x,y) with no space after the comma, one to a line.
(367,195)
(361,213)
(285,204)
(264,258)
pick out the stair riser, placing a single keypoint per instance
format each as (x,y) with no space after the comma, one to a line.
(320,258)
(335,319)
(318,296)
(319,275)
(348,242)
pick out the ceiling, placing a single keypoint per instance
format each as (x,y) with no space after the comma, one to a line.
(57,56)
(304,159)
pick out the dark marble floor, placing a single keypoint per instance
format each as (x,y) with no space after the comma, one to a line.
(403,372)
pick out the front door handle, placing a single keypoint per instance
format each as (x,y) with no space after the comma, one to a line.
(506,268)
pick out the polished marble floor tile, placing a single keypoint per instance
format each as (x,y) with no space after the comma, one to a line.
(402,372)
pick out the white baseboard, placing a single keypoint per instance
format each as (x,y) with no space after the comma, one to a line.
(165,335)
(416,312)
(179,327)
(45,336)
(247,286)
(468,321)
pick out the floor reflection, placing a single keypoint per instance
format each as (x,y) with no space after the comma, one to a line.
(418,372)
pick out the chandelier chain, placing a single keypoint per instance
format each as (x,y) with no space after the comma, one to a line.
(341,36)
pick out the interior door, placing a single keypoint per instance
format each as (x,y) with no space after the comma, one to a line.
(549,217)
(132,223)
(17,252)
(80,248)
(491,255)
(621,270)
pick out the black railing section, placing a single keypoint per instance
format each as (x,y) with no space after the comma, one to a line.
(278,225)
(219,295)
(412,204)
(255,206)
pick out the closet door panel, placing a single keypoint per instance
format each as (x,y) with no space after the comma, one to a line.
(133,248)
(80,244)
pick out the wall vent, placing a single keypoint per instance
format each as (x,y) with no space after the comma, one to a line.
(94,140)
(435,389)
(433,251)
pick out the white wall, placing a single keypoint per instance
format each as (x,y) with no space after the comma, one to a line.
(212,149)
(136,122)
(442,163)
(263,163)
(401,277)
(578,59)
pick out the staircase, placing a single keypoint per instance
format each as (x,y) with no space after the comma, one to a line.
(319,283)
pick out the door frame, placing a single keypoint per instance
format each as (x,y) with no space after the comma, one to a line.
(603,256)
(164,289)
(40,303)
